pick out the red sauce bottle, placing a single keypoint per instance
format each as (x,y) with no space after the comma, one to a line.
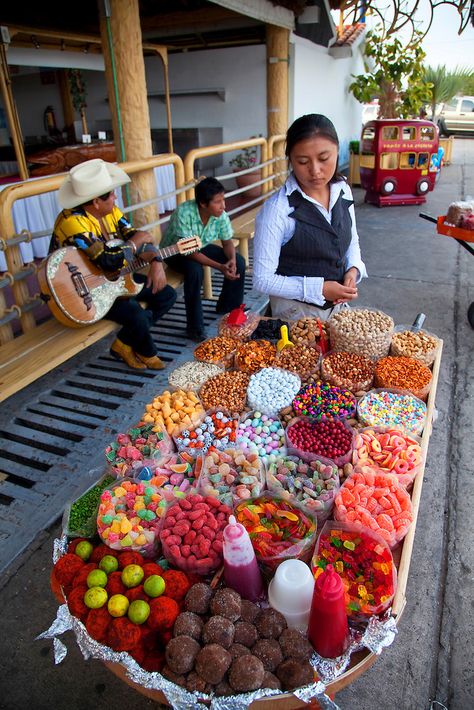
(328,629)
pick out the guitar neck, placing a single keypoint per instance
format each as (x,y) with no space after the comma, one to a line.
(136,264)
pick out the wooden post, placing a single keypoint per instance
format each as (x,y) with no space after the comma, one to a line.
(125,74)
(12,114)
(277,85)
(68,108)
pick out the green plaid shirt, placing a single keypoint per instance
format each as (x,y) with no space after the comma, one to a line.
(186,222)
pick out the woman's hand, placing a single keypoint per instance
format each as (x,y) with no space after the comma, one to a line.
(351,276)
(338,293)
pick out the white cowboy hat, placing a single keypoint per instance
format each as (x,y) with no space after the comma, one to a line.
(89,180)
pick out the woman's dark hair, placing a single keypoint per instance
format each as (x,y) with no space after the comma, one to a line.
(312,124)
(207,189)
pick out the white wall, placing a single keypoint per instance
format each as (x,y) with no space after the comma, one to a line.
(320,84)
(239,70)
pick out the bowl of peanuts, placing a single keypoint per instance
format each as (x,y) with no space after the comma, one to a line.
(365,331)
(352,371)
(421,345)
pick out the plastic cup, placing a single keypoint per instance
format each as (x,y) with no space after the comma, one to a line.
(291,591)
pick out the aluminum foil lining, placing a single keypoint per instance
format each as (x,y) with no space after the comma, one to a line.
(379,633)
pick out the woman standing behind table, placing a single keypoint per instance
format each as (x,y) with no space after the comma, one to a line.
(306,247)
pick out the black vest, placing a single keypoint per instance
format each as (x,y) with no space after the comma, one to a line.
(317,248)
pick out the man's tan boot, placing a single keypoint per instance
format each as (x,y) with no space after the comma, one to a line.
(124,352)
(154,362)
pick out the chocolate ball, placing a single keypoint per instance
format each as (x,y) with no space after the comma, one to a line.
(245,633)
(212,662)
(249,611)
(294,645)
(270,623)
(195,684)
(246,673)
(198,598)
(227,602)
(173,677)
(218,630)
(269,652)
(294,674)
(223,688)
(181,653)
(271,681)
(237,650)
(188,624)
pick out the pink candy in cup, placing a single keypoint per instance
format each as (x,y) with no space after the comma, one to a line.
(391,450)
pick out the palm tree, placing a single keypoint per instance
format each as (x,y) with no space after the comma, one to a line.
(445,84)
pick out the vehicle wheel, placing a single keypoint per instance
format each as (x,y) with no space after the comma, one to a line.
(388,186)
(470,315)
(422,186)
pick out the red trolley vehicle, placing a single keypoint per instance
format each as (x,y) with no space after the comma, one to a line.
(398,161)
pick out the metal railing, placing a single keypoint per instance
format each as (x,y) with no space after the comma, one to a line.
(15,277)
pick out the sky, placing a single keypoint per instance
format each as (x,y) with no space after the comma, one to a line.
(443,45)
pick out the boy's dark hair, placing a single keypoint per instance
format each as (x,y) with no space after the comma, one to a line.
(206,189)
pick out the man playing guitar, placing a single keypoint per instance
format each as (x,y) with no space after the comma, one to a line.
(90,221)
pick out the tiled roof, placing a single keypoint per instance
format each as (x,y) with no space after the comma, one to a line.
(349,34)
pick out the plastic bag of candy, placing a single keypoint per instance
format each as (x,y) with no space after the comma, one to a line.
(391,450)
(332,439)
(139,446)
(232,475)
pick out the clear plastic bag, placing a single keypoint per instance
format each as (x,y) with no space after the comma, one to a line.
(272,389)
(193,374)
(219,350)
(216,428)
(322,401)
(303,360)
(139,446)
(364,562)
(259,432)
(423,346)
(254,355)
(192,533)
(392,408)
(232,475)
(174,474)
(310,331)
(80,515)
(366,331)
(376,446)
(240,332)
(172,409)
(319,430)
(279,530)
(371,498)
(403,373)
(313,484)
(351,371)
(124,528)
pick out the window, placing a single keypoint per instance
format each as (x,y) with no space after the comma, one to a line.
(368,133)
(423,159)
(367,160)
(467,106)
(407,160)
(451,105)
(390,133)
(409,133)
(427,133)
(389,161)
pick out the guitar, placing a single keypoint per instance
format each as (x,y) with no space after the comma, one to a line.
(78,293)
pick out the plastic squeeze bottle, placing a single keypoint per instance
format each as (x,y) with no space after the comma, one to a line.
(328,629)
(241,571)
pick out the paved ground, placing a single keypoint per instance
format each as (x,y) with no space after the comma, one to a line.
(411,269)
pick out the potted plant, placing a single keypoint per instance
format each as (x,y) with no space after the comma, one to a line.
(244,160)
(354,163)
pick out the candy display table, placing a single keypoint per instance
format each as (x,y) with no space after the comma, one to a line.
(363,660)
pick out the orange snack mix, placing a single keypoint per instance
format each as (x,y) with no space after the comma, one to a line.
(254,355)
(403,373)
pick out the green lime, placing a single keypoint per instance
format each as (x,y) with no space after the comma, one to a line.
(138,611)
(154,585)
(118,605)
(96,578)
(132,575)
(84,550)
(109,564)
(95,597)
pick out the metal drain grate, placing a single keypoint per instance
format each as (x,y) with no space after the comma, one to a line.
(54,432)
